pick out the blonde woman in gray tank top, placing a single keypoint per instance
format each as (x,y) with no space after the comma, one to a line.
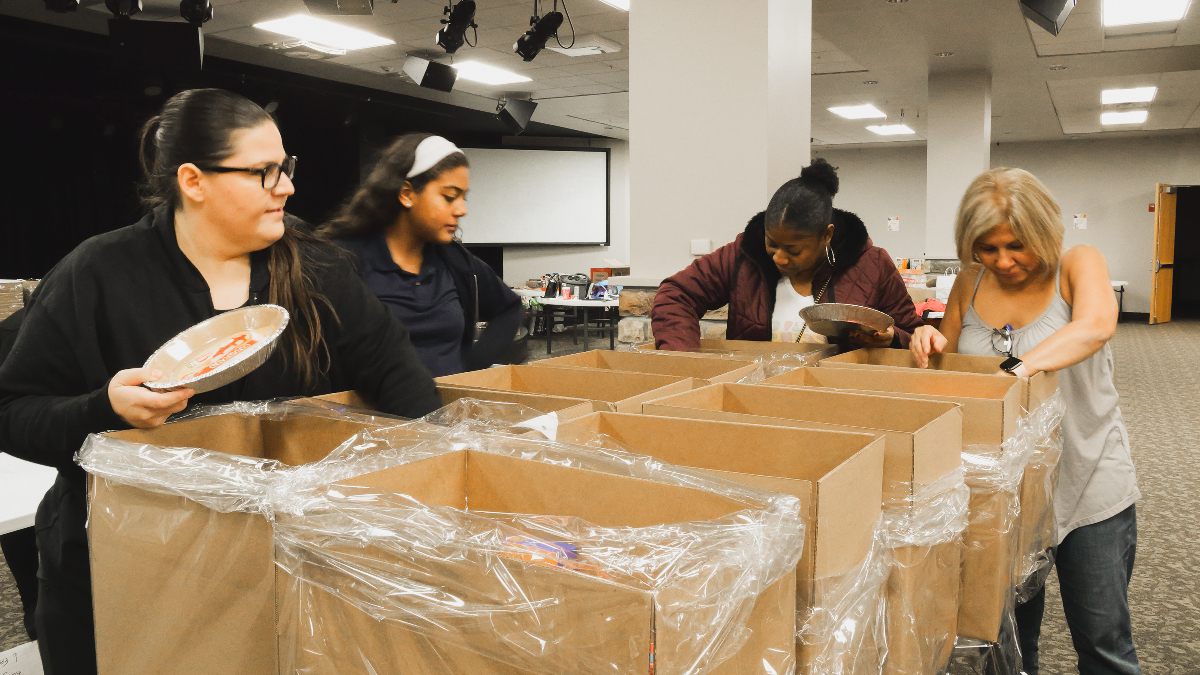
(1022,296)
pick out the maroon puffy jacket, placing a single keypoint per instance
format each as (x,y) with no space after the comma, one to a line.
(743,275)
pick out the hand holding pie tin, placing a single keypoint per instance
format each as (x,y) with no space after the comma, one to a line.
(218,351)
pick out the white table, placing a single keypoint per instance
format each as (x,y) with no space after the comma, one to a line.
(529,292)
(22,486)
(577,304)
(1119,287)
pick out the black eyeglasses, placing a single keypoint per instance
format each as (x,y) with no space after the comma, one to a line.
(270,173)
(1005,336)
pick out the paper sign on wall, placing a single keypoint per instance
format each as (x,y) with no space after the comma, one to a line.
(1081,221)
(894,224)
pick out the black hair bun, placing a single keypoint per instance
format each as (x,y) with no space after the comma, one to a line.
(820,174)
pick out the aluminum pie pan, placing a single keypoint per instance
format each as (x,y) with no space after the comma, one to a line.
(835,320)
(219,350)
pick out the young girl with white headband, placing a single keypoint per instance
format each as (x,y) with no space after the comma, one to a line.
(401,225)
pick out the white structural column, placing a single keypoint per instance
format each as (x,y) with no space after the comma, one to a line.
(959,129)
(719,109)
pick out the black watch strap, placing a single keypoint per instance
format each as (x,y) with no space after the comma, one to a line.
(1010,364)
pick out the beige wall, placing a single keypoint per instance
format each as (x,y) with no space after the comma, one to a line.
(1110,180)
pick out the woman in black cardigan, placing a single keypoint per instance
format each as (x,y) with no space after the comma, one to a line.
(401,226)
(216,239)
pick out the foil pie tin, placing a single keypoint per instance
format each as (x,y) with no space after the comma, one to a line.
(834,320)
(218,351)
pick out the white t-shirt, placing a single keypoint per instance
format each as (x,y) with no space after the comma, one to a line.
(786,323)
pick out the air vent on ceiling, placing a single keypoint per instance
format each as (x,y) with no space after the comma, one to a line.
(588,45)
(340,6)
(302,49)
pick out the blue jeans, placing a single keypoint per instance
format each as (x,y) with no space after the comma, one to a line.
(1095,563)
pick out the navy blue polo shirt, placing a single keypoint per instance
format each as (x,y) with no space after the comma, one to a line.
(426,303)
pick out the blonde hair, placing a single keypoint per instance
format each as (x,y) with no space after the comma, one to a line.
(1015,197)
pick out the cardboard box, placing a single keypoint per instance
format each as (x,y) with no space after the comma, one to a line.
(622,392)
(922,442)
(837,476)
(174,582)
(1034,390)
(991,405)
(178,583)
(616,623)
(709,370)
(750,350)
(921,294)
(564,408)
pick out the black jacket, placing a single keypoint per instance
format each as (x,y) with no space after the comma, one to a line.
(107,307)
(483,297)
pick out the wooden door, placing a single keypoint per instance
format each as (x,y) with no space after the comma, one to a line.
(1164,253)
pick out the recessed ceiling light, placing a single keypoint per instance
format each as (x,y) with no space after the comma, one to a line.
(324,32)
(619,4)
(1128,12)
(1130,117)
(891,130)
(870,81)
(485,74)
(1135,95)
(942,55)
(857,112)
(1058,67)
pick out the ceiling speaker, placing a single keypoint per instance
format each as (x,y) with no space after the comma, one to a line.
(515,113)
(1049,14)
(430,74)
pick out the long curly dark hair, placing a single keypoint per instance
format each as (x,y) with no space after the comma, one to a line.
(376,204)
(197,127)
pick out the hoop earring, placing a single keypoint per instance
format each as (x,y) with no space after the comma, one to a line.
(829,256)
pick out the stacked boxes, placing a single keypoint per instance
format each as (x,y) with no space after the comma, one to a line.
(711,371)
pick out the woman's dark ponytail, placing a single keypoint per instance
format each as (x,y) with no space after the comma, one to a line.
(805,204)
(197,127)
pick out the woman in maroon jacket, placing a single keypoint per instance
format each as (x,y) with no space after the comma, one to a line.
(799,251)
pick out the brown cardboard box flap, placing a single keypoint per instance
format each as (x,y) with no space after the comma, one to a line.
(922,438)
(1034,389)
(658,363)
(752,350)
(624,391)
(991,405)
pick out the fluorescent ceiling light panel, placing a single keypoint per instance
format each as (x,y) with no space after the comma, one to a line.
(857,112)
(1136,95)
(485,74)
(619,4)
(1131,117)
(324,32)
(1127,12)
(891,130)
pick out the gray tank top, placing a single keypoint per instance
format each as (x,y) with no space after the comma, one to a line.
(1096,479)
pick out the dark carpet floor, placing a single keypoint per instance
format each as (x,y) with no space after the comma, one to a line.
(1158,377)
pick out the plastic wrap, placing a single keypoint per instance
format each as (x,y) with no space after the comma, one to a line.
(843,633)
(366,571)
(772,364)
(923,538)
(1003,545)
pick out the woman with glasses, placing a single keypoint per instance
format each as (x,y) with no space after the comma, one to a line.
(401,227)
(216,238)
(1021,296)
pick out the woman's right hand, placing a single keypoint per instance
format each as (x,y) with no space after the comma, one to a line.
(139,406)
(926,340)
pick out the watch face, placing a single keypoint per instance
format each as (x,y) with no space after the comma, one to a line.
(1010,364)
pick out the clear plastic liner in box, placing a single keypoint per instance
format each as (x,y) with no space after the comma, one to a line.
(922,535)
(1003,546)
(841,633)
(778,363)
(460,585)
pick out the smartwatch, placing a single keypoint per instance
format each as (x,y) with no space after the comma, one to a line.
(1010,364)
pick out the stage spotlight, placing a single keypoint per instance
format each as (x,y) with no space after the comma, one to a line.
(123,9)
(454,35)
(196,12)
(62,6)
(534,40)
